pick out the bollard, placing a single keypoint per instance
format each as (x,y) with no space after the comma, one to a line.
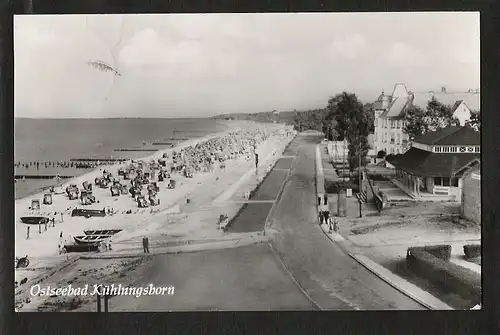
(341,204)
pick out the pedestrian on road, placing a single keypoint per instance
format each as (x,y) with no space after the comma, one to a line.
(330,226)
(256,160)
(325,199)
(321,217)
(28,233)
(319,201)
(326,214)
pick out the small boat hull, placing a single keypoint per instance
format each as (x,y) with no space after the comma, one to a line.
(88,247)
(102,232)
(88,212)
(34,219)
(86,239)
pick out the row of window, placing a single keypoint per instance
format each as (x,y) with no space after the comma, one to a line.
(393,124)
(445,181)
(460,149)
(393,138)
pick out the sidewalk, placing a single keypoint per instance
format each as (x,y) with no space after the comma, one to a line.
(410,290)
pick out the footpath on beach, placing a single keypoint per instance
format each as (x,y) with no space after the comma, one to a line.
(186,219)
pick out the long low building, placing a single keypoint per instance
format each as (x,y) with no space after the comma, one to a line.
(437,161)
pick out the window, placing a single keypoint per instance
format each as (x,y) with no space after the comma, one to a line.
(453,149)
(454,182)
(477,149)
(398,124)
(437,181)
(446,181)
(392,124)
(437,149)
(398,138)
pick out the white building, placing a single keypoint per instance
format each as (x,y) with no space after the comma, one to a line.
(390,110)
(461,111)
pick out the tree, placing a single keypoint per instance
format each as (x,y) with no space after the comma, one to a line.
(353,123)
(435,117)
(475,121)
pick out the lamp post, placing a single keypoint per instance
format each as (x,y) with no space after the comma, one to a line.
(359,177)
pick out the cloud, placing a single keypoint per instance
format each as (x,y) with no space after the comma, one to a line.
(349,47)
(405,54)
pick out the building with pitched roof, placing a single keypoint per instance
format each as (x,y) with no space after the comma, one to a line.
(389,113)
(436,162)
(390,110)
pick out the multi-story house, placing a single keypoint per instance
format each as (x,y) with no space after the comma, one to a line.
(389,120)
(390,110)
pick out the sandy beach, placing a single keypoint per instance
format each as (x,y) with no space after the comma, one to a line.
(174,219)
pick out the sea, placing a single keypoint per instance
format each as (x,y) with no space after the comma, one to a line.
(52,140)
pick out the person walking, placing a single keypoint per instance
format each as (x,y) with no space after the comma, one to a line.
(28,233)
(326,214)
(147,245)
(325,199)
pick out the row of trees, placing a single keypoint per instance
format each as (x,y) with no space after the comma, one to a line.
(344,118)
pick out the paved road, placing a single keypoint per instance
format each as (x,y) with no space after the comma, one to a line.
(240,279)
(329,276)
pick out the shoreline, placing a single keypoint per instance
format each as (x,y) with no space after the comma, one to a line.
(195,220)
(41,190)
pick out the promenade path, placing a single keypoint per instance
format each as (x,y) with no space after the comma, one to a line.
(328,275)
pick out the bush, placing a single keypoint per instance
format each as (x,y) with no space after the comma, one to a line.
(448,275)
(442,251)
(381,154)
(335,187)
(472,250)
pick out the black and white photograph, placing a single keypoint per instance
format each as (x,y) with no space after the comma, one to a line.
(247,162)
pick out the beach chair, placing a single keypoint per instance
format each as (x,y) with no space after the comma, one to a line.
(141,202)
(35,204)
(115,191)
(47,199)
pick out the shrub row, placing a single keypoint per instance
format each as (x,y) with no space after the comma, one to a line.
(472,250)
(448,275)
(442,251)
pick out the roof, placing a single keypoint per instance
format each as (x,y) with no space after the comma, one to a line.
(455,105)
(428,164)
(472,99)
(452,135)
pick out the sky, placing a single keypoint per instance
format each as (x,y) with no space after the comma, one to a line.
(199,65)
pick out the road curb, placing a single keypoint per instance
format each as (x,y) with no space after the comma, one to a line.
(293,278)
(372,267)
(183,249)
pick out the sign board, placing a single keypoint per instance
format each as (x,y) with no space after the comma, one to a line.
(349,192)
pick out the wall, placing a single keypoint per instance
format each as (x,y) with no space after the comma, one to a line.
(471,199)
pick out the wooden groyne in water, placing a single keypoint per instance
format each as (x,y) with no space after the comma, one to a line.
(40,176)
(99,159)
(134,149)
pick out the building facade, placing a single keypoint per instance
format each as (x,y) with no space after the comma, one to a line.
(471,196)
(390,110)
(389,123)
(437,161)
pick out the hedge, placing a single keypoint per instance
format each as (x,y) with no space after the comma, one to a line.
(472,250)
(442,251)
(448,275)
